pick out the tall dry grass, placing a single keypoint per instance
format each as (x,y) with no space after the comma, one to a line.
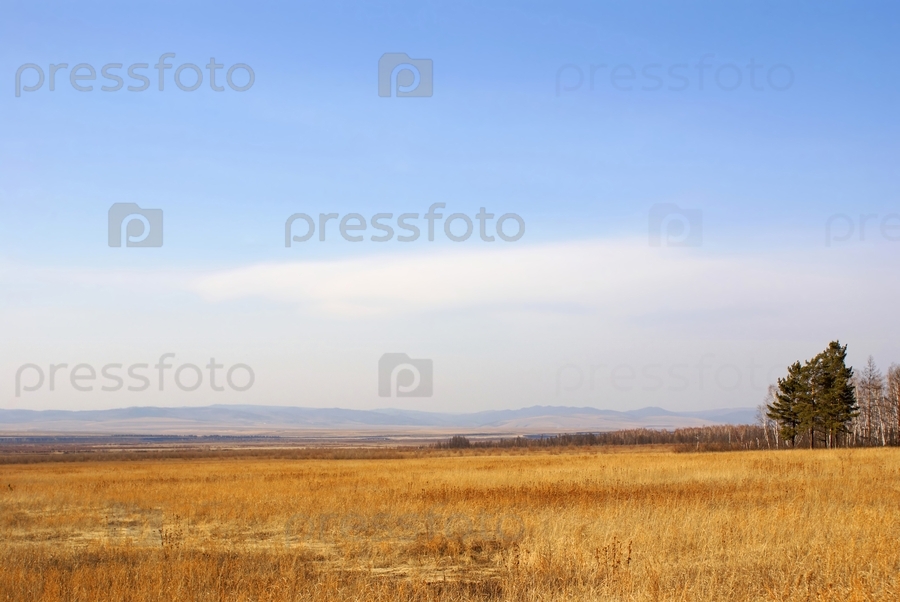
(579,525)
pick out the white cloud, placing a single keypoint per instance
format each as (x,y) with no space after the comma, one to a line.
(627,277)
(622,278)
(513,277)
(510,316)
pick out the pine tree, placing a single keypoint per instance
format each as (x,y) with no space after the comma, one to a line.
(789,397)
(809,400)
(835,391)
(817,397)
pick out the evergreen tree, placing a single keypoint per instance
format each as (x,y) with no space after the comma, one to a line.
(835,391)
(809,408)
(784,409)
(816,397)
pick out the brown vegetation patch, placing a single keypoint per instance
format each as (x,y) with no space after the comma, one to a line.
(573,524)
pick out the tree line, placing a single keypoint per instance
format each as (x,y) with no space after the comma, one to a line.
(722,437)
(823,403)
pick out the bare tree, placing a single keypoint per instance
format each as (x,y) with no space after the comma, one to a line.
(871,423)
(767,423)
(892,398)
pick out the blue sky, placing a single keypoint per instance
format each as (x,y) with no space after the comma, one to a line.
(507,324)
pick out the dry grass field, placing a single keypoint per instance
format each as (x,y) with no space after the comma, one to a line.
(571,524)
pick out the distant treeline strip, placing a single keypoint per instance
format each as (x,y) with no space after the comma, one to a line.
(703,438)
(33,454)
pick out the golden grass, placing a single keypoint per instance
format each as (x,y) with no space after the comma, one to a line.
(579,525)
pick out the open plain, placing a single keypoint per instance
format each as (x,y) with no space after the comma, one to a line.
(518,525)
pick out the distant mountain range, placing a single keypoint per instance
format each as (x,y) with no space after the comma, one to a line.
(282,420)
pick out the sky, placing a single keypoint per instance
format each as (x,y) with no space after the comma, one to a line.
(693,195)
